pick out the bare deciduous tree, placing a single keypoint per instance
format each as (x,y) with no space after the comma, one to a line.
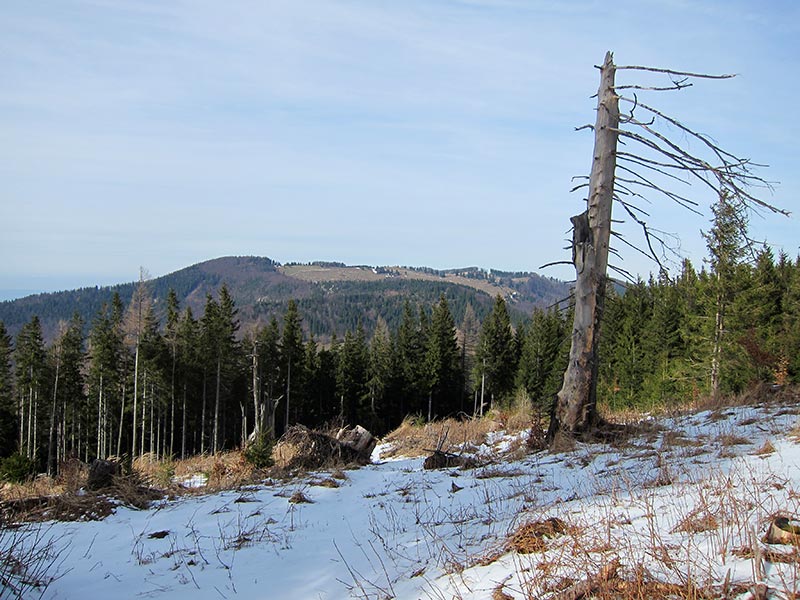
(656,163)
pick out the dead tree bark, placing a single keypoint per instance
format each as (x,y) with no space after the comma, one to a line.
(660,157)
(575,408)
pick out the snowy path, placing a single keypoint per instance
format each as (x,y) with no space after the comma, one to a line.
(394,530)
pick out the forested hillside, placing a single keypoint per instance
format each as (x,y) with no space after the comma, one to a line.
(333,296)
(166,377)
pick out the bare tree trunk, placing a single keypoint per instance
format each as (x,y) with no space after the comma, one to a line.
(135,397)
(100,419)
(144,413)
(51,452)
(183,423)
(153,441)
(289,393)
(716,353)
(203,417)
(35,423)
(216,408)
(257,412)
(30,411)
(172,403)
(121,421)
(575,408)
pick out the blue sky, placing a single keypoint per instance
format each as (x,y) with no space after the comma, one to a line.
(437,133)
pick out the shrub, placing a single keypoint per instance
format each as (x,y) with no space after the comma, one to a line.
(259,452)
(16,468)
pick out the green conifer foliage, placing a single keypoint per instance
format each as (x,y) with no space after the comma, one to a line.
(8,418)
(495,364)
(105,349)
(442,363)
(292,355)
(542,339)
(30,378)
(352,376)
(379,377)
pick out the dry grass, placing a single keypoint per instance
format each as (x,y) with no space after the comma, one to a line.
(766,449)
(697,522)
(64,498)
(732,439)
(532,537)
(415,438)
(226,470)
(300,498)
(328,482)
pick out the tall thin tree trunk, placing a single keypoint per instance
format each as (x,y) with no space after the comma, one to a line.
(52,449)
(30,411)
(172,402)
(576,403)
(203,417)
(430,405)
(100,420)
(135,398)
(216,407)
(289,392)
(483,387)
(144,412)
(21,423)
(152,402)
(716,353)
(121,422)
(257,424)
(183,423)
(35,450)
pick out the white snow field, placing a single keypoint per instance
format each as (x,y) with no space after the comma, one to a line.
(688,500)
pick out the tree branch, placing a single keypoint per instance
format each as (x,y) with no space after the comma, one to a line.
(671,72)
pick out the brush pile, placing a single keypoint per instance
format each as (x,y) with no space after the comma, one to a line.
(302,448)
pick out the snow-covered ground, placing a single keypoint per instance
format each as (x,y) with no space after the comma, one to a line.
(684,501)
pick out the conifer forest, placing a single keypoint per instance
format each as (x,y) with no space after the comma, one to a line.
(126,384)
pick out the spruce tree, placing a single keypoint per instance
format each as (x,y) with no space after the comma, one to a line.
(541,347)
(470,332)
(379,376)
(171,337)
(189,379)
(410,353)
(495,364)
(8,419)
(726,243)
(443,374)
(70,418)
(352,376)
(292,354)
(105,355)
(29,358)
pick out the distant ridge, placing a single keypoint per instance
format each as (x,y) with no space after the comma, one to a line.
(332,296)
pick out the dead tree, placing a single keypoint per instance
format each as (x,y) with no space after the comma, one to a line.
(655,164)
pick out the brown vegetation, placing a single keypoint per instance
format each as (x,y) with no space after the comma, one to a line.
(302,448)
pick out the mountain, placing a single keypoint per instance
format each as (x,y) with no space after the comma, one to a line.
(332,297)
